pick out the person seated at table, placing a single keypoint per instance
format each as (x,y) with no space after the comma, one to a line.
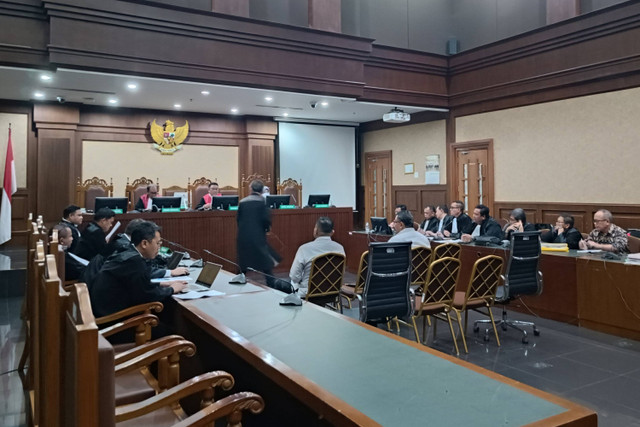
(400,207)
(403,226)
(563,232)
(606,236)
(205,201)
(125,280)
(460,221)
(74,266)
(444,219)
(145,202)
(517,223)
(322,244)
(72,217)
(92,242)
(430,222)
(488,226)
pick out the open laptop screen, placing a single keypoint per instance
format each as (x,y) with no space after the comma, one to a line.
(208,274)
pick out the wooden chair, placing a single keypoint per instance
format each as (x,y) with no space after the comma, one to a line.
(197,189)
(446,250)
(291,187)
(437,296)
(137,188)
(91,403)
(325,279)
(633,243)
(87,191)
(244,183)
(351,292)
(229,190)
(420,261)
(169,191)
(481,292)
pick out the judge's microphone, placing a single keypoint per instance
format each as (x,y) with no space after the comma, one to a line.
(237,279)
(195,264)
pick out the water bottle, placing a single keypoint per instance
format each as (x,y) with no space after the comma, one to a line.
(366,228)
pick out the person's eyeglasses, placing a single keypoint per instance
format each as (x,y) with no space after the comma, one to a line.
(397,221)
(597,221)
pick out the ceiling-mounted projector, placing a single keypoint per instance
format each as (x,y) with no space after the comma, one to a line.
(396,116)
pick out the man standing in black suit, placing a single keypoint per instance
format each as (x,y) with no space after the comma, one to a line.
(254,220)
(460,222)
(72,218)
(93,237)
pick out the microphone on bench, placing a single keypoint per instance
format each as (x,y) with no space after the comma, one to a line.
(239,279)
(195,264)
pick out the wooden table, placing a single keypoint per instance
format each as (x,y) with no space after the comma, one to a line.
(216,230)
(317,368)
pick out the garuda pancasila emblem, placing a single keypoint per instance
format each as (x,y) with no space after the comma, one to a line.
(168,138)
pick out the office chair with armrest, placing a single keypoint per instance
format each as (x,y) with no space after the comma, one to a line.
(291,187)
(522,277)
(87,191)
(197,189)
(386,289)
(137,188)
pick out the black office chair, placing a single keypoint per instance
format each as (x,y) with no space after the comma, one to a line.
(386,290)
(522,277)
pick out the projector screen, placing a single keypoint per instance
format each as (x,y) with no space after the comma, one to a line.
(323,157)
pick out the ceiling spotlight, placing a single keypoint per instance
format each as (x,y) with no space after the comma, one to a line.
(113,101)
(234,110)
(268,98)
(285,114)
(45,77)
(324,103)
(177,105)
(205,92)
(39,95)
(132,86)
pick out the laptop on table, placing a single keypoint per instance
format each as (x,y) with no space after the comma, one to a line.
(174,260)
(206,277)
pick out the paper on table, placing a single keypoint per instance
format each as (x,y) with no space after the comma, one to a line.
(589,251)
(171,279)
(198,294)
(113,230)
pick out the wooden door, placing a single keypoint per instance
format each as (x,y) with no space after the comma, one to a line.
(378,185)
(473,173)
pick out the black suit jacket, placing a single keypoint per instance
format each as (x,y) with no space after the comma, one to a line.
(74,232)
(490,227)
(446,223)
(254,220)
(464,224)
(432,225)
(92,242)
(124,281)
(570,236)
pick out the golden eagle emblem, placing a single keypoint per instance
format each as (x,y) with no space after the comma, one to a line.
(168,138)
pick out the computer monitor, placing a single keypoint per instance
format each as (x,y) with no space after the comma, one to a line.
(274,201)
(116,204)
(380,225)
(167,202)
(223,202)
(318,199)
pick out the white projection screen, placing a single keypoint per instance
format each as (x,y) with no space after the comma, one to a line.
(323,157)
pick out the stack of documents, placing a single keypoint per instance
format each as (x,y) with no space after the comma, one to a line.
(555,247)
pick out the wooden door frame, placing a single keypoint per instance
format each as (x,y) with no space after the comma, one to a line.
(452,175)
(374,154)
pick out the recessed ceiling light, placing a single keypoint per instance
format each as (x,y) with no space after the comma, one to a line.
(45,77)
(113,101)
(285,114)
(39,95)
(205,92)
(324,103)
(177,105)
(132,86)
(234,110)
(268,98)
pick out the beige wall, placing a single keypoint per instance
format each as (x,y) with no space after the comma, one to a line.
(580,150)
(409,144)
(19,129)
(107,160)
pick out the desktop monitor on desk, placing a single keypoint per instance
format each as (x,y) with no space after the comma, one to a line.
(319,199)
(276,200)
(224,202)
(116,204)
(379,225)
(167,203)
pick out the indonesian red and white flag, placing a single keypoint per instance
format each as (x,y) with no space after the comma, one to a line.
(10,187)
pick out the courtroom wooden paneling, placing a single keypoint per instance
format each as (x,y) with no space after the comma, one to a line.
(25,34)
(625,216)
(53,177)
(416,197)
(216,231)
(593,53)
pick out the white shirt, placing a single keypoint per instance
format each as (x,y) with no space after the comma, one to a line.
(454,225)
(411,235)
(301,267)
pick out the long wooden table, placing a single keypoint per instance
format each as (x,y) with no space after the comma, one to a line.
(315,367)
(216,231)
(580,289)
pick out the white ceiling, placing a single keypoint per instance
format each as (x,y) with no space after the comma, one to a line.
(93,88)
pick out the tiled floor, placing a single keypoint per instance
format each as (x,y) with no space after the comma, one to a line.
(597,370)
